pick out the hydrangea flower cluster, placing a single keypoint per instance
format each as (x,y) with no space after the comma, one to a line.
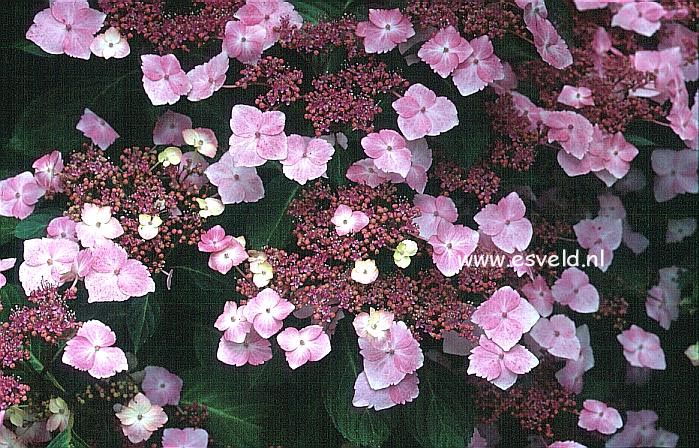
(454,208)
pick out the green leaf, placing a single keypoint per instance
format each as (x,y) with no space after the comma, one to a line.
(360,426)
(235,417)
(315,10)
(143,318)
(67,438)
(10,296)
(48,122)
(7,229)
(441,417)
(35,225)
(637,140)
(30,47)
(273,227)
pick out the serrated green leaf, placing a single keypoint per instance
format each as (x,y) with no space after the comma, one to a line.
(35,225)
(273,227)
(361,426)
(7,229)
(143,319)
(316,10)
(441,416)
(234,418)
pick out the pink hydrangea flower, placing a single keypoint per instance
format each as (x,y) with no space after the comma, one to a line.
(43,259)
(571,130)
(642,18)
(577,97)
(389,151)
(214,240)
(244,42)
(586,5)
(347,221)
(46,171)
(614,153)
(168,129)
(365,172)
(91,350)
(445,51)
(96,129)
(557,336)
(161,386)
(601,237)
(677,35)
(163,79)
(539,295)
(66,27)
(489,361)
(97,225)
(597,416)
(679,229)
(5,265)
(505,317)
(387,362)
(663,305)
(421,112)
(481,68)
(505,223)
(385,29)
(140,419)
(573,288)
(434,211)
(235,184)
(202,139)
(642,348)
(403,392)
(267,311)
(549,44)
(185,438)
(451,245)
(257,136)
(208,77)
(307,158)
(231,255)
(667,73)
(19,195)
(525,107)
(268,14)
(254,350)
(114,277)
(571,376)
(233,323)
(420,163)
(375,324)
(110,44)
(676,173)
(640,430)
(308,344)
